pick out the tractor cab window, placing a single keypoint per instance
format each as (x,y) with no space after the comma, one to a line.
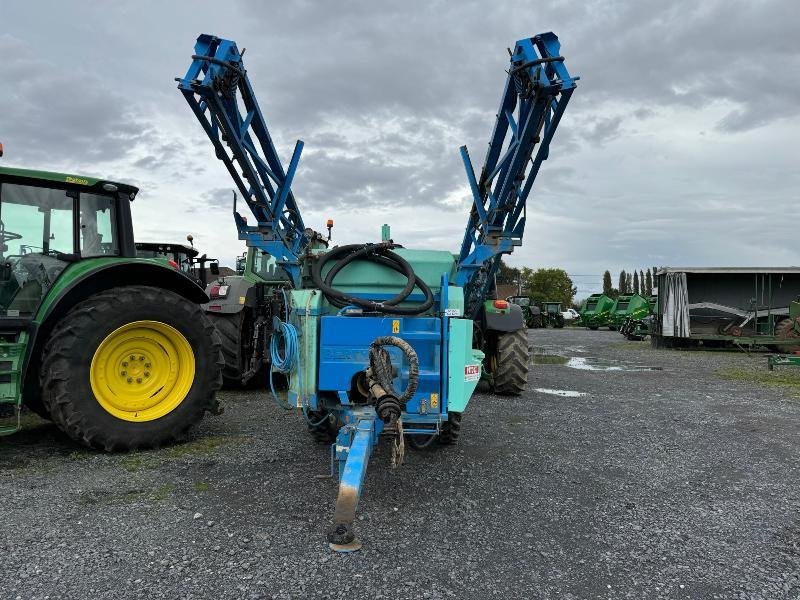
(266,267)
(36,244)
(98,219)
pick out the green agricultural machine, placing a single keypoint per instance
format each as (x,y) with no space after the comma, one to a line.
(531,313)
(112,348)
(628,306)
(185,258)
(240,307)
(552,315)
(596,311)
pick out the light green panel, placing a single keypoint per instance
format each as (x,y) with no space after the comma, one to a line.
(306,308)
(463,365)
(367,277)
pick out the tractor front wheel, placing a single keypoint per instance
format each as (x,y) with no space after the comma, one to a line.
(132,367)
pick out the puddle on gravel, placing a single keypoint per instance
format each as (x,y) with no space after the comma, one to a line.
(600,364)
(562,393)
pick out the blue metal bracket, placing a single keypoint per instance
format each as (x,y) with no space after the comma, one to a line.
(353,448)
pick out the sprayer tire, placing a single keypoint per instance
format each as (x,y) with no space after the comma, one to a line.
(325,432)
(451,429)
(513,362)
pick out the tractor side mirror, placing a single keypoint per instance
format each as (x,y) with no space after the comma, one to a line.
(214,267)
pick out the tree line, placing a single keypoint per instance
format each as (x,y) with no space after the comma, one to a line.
(637,282)
(542,285)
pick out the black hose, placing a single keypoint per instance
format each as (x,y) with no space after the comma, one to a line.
(380,254)
(381,366)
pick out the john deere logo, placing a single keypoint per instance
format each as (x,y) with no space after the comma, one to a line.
(77,180)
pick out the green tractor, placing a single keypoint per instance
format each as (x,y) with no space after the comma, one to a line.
(112,348)
(187,258)
(531,313)
(553,316)
(788,328)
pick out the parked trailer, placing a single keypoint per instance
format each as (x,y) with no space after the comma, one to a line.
(719,306)
(596,310)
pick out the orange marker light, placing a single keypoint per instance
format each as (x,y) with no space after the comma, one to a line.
(501,304)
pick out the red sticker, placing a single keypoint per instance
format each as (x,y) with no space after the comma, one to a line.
(472,372)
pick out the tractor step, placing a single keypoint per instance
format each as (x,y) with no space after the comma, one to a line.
(11,356)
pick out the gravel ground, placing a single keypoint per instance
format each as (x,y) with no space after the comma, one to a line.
(674,482)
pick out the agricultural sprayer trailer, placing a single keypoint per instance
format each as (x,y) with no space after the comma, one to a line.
(379,341)
(112,348)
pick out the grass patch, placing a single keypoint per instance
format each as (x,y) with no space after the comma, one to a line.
(200,447)
(201,486)
(163,492)
(136,462)
(786,377)
(549,359)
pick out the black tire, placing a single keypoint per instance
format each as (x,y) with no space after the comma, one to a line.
(229,327)
(512,356)
(451,429)
(785,329)
(324,432)
(66,363)
(593,328)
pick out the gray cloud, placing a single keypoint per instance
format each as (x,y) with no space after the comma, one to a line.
(681,132)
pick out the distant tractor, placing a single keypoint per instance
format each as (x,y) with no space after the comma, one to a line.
(183,257)
(553,316)
(114,349)
(531,313)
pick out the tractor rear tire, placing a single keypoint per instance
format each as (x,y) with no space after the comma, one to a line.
(451,429)
(513,361)
(785,329)
(86,392)
(229,327)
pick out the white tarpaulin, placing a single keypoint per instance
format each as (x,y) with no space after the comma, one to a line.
(675,321)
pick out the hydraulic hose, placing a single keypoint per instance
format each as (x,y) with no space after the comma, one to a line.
(283,363)
(381,254)
(389,404)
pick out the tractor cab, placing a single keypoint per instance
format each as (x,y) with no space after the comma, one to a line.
(184,258)
(48,221)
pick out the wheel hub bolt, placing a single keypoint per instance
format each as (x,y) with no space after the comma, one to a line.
(141,357)
(123,373)
(146,365)
(124,363)
(147,373)
(138,380)
(129,380)
(133,357)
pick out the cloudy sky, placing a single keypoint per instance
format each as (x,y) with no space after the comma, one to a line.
(679,147)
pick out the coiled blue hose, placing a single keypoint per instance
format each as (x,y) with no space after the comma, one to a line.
(286,362)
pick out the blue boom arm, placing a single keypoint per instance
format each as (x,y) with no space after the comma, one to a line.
(537,91)
(237,130)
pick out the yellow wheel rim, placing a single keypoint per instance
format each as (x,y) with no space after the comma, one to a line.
(142,371)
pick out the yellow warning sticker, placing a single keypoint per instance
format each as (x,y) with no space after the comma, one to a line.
(396,326)
(434,400)
(241,299)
